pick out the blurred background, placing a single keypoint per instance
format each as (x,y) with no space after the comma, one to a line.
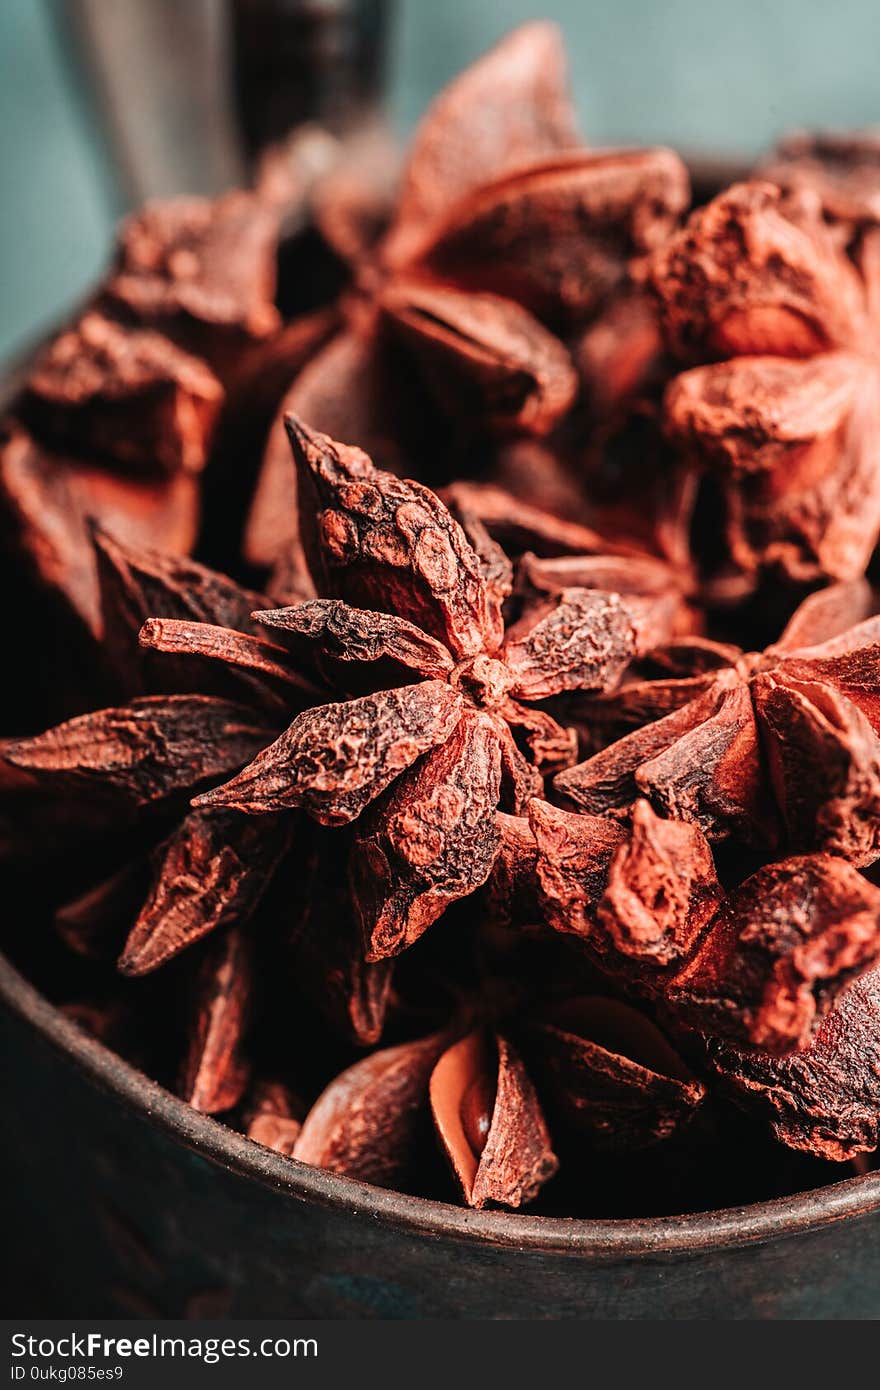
(104,102)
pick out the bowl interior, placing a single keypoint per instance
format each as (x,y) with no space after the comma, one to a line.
(705,1230)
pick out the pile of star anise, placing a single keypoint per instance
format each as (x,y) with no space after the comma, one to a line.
(514,830)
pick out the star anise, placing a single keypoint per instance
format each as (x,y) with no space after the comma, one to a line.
(216,1071)
(764,974)
(463,732)
(438,754)
(779,746)
(673,939)
(762,964)
(201,271)
(106,797)
(113,424)
(605,1074)
(119,413)
(779,952)
(788,425)
(506,235)
(94,779)
(823,1099)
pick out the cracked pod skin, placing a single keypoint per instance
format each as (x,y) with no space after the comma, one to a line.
(122,1201)
(125,1202)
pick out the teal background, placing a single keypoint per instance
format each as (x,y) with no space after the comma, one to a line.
(695,73)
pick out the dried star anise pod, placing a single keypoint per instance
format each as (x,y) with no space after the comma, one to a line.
(181,355)
(638,896)
(760,965)
(610,1079)
(201,271)
(216,1071)
(128,397)
(643,954)
(107,796)
(465,731)
(271,1117)
(779,746)
(91,789)
(787,427)
(645,900)
(763,974)
(779,951)
(610,1075)
(113,425)
(437,755)
(489,1122)
(120,412)
(506,235)
(138,586)
(825,1098)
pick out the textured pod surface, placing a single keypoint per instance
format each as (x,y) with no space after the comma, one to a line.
(755,273)
(581,640)
(700,763)
(389,544)
(486,354)
(129,397)
(367,1122)
(335,759)
(211,873)
(353,634)
(824,1099)
(557,236)
(50,503)
(102,769)
(574,854)
(612,1075)
(824,762)
(490,1123)
(843,168)
(216,1070)
(137,584)
(507,109)
(536,712)
(432,841)
(192,264)
(661,889)
(779,951)
(790,421)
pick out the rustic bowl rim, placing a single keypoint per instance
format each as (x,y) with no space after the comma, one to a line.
(592,1238)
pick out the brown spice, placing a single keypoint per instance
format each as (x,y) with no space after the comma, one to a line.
(778,952)
(202,271)
(788,425)
(379,542)
(505,232)
(791,726)
(131,398)
(271,1117)
(298,793)
(216,1072)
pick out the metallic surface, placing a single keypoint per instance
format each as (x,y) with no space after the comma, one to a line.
(124,1201)
(301,60)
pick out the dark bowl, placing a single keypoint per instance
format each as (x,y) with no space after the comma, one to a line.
(124,1201)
